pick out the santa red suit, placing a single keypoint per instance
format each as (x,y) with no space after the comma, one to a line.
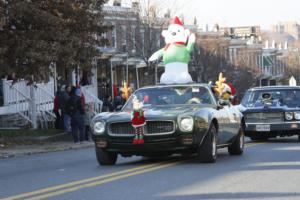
(138,121)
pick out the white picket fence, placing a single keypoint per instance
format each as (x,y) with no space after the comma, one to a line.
(15,93)
(90,92)
(35,102)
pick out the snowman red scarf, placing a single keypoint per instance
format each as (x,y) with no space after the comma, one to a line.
(138,121)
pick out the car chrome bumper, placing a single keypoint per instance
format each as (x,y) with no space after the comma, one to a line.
(170,144)
(285,127)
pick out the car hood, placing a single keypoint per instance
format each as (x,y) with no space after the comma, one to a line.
(265,108)
(153,113)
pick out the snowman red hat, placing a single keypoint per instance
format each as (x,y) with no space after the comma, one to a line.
(176,20)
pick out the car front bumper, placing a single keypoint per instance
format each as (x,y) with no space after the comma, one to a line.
(285,128)
(151,145)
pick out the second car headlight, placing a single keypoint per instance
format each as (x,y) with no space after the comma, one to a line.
(288,115)
(186,124)
(99,127)
(297,115)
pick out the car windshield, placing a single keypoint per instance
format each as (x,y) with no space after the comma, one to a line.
(173,95)
(279,97)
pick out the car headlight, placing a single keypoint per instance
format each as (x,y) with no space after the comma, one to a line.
(288,115)
(186,124)
(99,127)
(297,115)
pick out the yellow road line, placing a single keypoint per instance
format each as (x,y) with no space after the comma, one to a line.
(62,186)
(97,183)
(254,144)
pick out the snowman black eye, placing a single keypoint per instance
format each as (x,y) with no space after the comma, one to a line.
(178,31)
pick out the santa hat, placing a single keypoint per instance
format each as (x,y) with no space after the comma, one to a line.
(232,88)
(227,88)
(177,21)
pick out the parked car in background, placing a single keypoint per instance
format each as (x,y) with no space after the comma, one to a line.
(179,119)
(271,111)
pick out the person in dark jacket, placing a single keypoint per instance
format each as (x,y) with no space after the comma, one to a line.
(107,104)
(119,101)
(59,124)
(63,98)
(77,115)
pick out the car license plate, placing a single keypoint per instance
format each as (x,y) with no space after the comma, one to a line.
(263,127)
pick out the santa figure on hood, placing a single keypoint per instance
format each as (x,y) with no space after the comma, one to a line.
(138,121)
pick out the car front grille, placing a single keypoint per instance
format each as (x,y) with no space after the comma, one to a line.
(121,128)
(151,128)
(272,117)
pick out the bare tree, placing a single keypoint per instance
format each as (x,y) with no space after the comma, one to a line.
(293,60)
(151,23)
(211,57)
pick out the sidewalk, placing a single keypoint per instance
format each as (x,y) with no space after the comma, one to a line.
(34,145)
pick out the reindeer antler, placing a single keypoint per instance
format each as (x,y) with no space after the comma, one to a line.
(219,84)
(126,90)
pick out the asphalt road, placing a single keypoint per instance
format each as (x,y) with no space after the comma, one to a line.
(265,171)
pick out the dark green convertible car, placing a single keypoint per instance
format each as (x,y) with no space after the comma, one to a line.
(180,119)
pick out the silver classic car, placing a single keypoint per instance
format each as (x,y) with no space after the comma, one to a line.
(185,118)
(271,111)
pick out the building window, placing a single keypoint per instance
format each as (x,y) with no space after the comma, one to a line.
(102,38)
(158,40)
(143,41)
(133,41)
(113,36)
(124,39)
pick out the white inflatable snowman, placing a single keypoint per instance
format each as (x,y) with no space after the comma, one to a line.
(176,54)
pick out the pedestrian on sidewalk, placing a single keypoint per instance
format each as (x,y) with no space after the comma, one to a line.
(75,109)
(82,97)
(107,104)
(119,101)
(88,116)
(62,105)
(59,124)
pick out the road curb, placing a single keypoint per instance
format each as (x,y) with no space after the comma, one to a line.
(64,136)
(19,146)
(22,150)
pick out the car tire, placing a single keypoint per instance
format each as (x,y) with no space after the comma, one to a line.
(207,151)
(106,158)
(237,147)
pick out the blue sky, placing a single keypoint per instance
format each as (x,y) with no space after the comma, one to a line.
(233,12)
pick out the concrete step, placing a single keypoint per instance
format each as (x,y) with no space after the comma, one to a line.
(16,121)
(45,121)
(13,121)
